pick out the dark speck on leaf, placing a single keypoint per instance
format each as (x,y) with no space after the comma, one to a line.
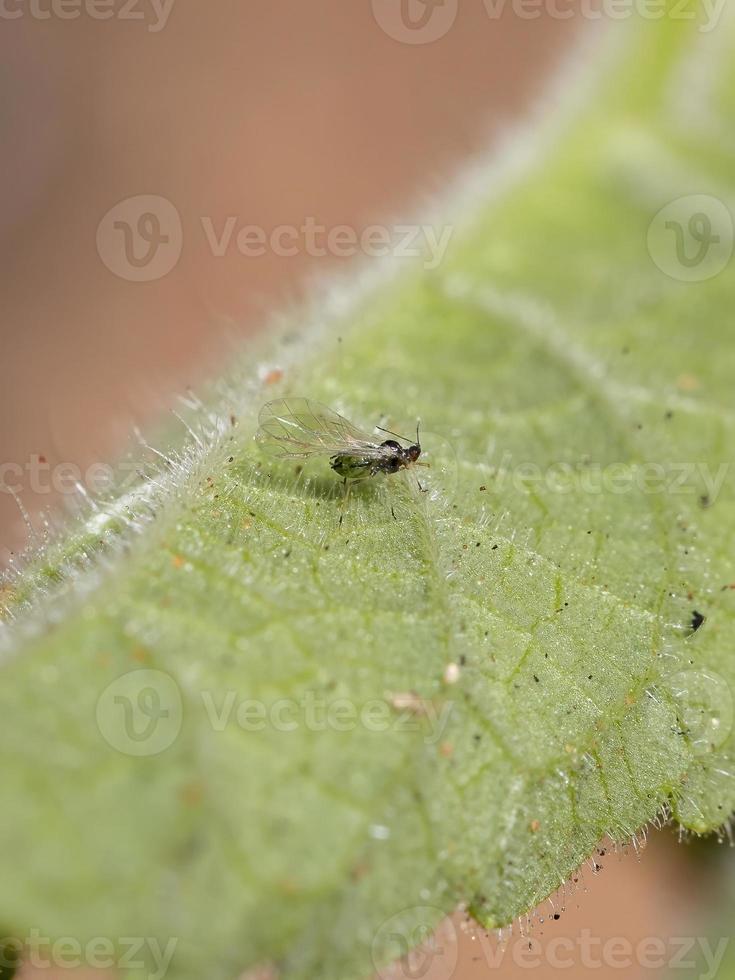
(669,415)
(704,500)
(697,620)
(494,547)
(535,678)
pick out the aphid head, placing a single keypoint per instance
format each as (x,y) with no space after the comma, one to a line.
(403,456)
(413,452)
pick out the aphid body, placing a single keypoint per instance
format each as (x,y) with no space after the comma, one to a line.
(395,458)
(300,428)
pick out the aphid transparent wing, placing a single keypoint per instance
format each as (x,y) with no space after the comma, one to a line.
(299,427)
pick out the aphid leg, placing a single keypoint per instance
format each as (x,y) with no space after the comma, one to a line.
(393,513)
(347,486)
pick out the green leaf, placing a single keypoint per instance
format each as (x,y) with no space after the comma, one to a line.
(230,722)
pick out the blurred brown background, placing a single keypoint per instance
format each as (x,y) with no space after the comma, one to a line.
(272,111)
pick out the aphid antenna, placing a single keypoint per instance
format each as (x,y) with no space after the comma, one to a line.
(403,438)
(388,432)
